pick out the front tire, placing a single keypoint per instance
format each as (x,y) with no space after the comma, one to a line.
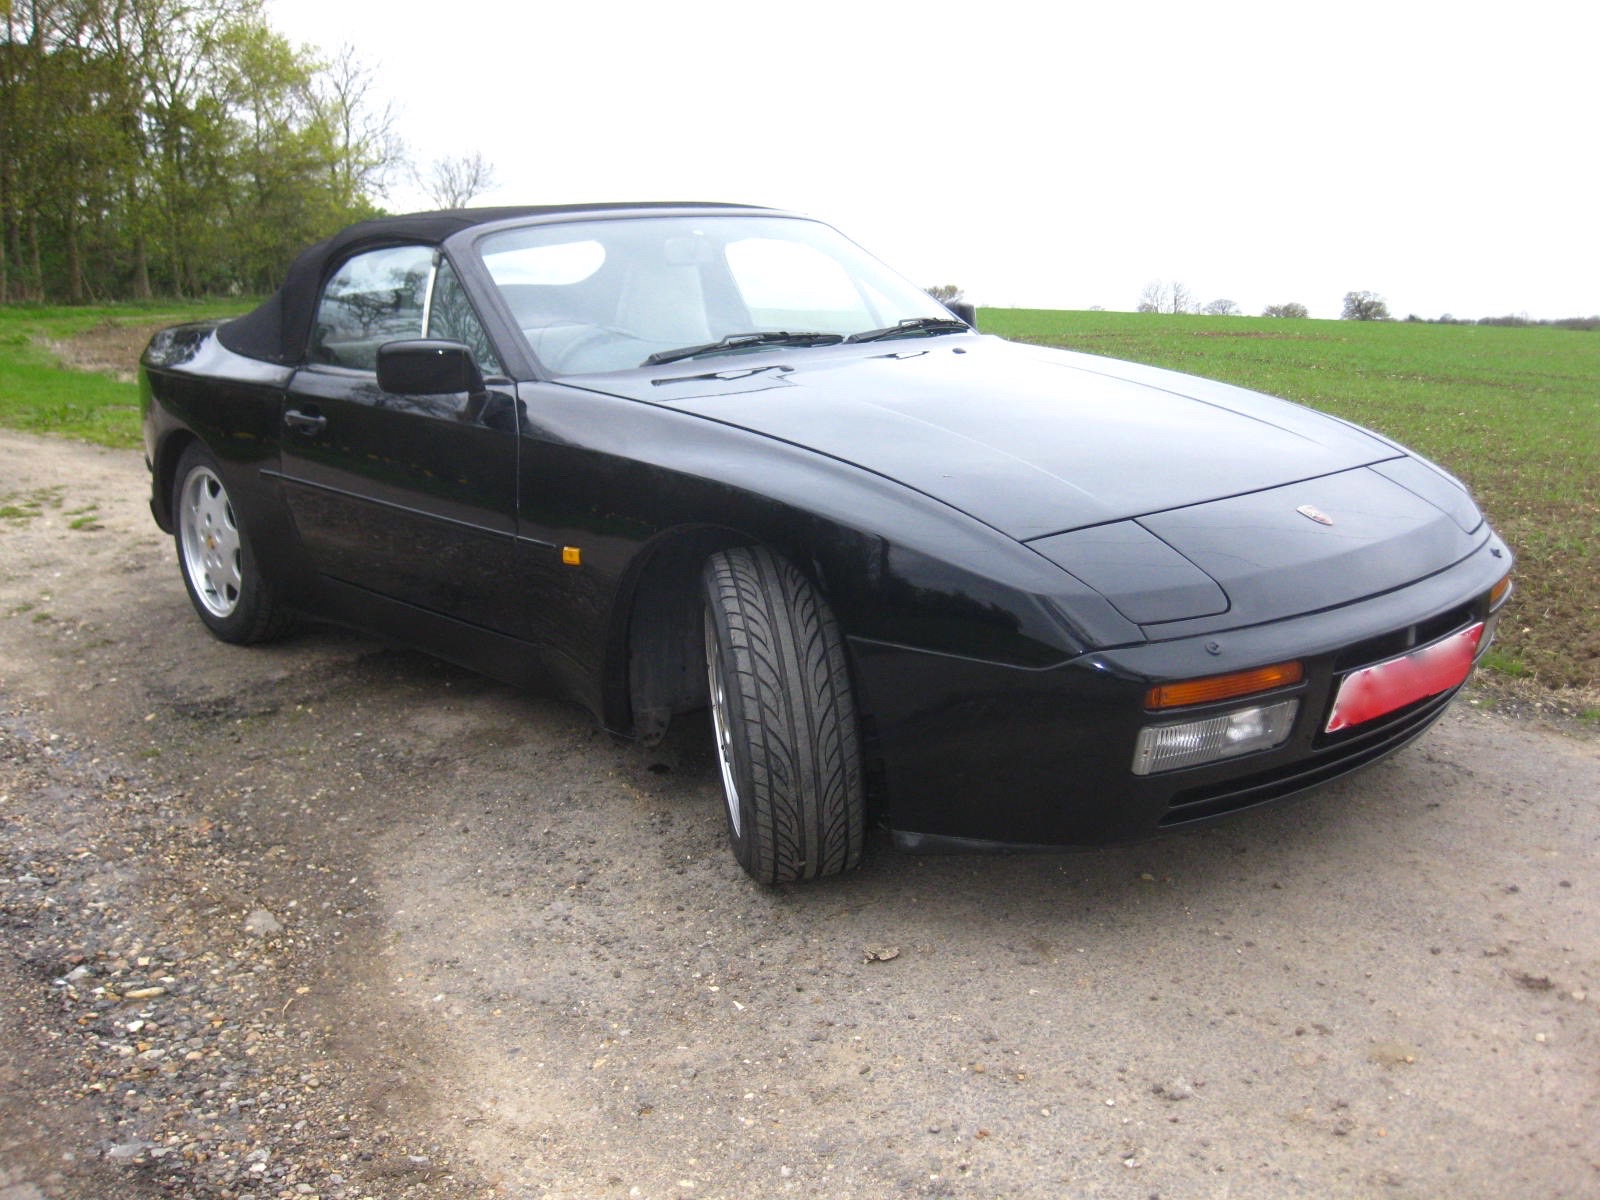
(215,556)
(784,720)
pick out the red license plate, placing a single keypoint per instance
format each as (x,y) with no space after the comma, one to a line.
(1427,671)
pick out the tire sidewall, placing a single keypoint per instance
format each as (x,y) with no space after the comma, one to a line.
(743,839)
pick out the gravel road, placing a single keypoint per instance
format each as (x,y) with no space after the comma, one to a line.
(332,919)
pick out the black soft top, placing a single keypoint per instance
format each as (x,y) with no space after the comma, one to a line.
(279,329)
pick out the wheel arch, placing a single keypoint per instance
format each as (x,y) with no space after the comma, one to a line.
(654,665)
(164,474)
(654,654)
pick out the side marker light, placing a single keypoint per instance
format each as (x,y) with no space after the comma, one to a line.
(1499,592)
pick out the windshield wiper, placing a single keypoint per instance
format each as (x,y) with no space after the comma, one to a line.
(913,327)
(739,341)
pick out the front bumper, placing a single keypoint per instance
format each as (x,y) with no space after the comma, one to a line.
(973,755)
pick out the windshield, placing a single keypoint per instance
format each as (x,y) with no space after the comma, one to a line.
(606,295)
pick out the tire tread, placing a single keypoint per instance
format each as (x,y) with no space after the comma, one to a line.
(791,677)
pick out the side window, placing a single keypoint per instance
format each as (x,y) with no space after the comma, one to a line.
(451,317)
(375,298)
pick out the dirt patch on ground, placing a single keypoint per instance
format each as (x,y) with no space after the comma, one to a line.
(111,348)
(330,919)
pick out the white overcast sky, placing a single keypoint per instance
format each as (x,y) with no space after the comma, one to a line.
(1443,155)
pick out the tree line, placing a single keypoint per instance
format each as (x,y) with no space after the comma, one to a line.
(173,147)
(1515,321)
(1175,297)
(1159,297)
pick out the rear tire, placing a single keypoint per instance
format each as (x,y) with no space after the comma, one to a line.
(216,559)
(784,720)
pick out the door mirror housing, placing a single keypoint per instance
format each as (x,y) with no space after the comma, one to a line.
(428,367)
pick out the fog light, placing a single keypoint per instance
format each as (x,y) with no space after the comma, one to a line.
(1192,743)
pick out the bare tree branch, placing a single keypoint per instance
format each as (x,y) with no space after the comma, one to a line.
(454,182)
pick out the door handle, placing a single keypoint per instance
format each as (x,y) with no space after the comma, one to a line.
(309,423)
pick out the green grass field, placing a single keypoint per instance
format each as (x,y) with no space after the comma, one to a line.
(38,393)
(1513,412)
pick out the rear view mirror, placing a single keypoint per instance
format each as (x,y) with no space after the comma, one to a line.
(964,309)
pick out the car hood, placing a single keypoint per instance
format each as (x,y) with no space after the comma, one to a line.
(1027,440)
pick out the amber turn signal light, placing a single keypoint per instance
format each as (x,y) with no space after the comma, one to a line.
(1223,687)
(1499,591)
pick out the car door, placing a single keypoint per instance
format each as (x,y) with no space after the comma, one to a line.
(409,497)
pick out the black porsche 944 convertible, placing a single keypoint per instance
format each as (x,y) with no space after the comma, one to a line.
(665,457)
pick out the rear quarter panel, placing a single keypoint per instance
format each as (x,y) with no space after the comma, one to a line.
(194,389)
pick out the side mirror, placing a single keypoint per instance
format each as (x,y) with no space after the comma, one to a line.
(428,367)
(964,309)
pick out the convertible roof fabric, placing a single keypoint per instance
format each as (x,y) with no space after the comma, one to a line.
(280,328)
